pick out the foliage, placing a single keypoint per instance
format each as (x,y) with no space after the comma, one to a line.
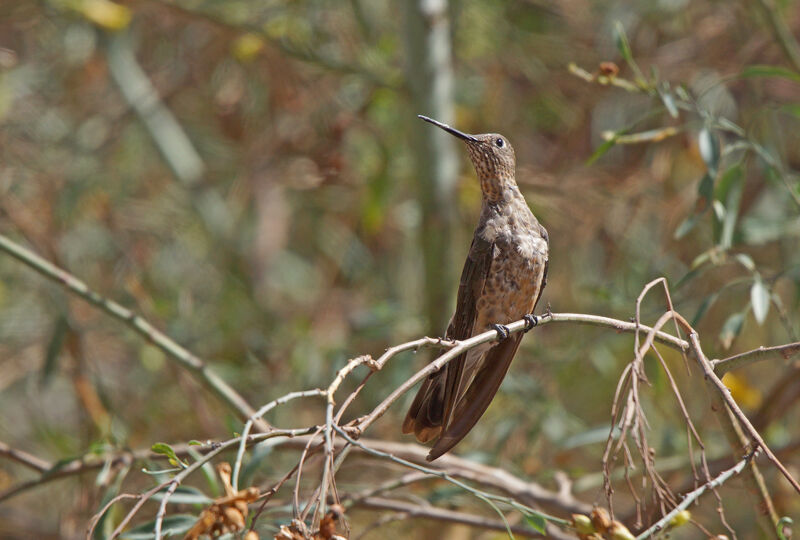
(261,211)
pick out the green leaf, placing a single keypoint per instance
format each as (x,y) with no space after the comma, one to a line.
(688,276)
(709,150)
(706,189)
(602,149)
(707,302)
(53,349)
(759,299)
(731,329)
(621,39)
(727,181)
(770,71)
(184,495)
(701,259)
(173,525)
(687,225)
(733,179)
(165,449)
(537,521)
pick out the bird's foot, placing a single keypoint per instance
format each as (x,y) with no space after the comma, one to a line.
(502,332)
(531,320)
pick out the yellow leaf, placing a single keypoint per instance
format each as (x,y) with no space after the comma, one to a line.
(247,46)
(106,14)
(745,395)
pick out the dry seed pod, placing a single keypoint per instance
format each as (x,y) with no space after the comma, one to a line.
(241,506)
(233,516)
(609,69)
(224,472)
(327,527)
(600,519)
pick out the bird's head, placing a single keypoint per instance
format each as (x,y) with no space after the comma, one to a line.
(491,155)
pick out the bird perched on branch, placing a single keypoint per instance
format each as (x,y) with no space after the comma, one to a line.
(503,278)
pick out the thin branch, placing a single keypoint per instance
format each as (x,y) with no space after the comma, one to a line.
(177,353)
(689,498)
(258,414)
(721,367)
(530,493)
(781,32)
(24,458)
(483,495)
(491,335)
(137,89)
(708,371)
(176,480)
(441,514)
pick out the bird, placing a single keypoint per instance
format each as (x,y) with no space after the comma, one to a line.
(502,280)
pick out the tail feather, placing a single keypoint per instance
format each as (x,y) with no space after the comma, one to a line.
(426,414)
(478,396)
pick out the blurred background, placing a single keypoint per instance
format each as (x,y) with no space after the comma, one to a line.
(251,177)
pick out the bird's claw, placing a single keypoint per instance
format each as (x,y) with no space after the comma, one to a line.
(502,332)
(530,321)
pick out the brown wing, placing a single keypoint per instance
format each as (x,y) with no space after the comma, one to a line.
(543,233)
(478,396)
(485,384)
(435,400)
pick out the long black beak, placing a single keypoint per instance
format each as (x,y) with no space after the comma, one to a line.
(452,131)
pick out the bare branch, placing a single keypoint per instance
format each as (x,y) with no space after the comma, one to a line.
(173,350)
(689,498)
(24,458)
(721,367)
(708,371)
(442,514)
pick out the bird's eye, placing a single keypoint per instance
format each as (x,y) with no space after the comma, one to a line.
(500,143)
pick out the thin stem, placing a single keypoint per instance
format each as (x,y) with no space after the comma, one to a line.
(173,350)
(721,367)
(708,371)
(694,495)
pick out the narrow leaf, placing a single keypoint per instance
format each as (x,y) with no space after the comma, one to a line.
(746,261)
(734,179)
(770,71)
(687,225)
(165,449)
(653,135)
(536,521)
(731,329)
(668,100)
(705,189)
(602,149)
(707,302)
(621,40)
(54,349)
(174,525)
(185,495)
(709,150)
(759,299)
(690,275)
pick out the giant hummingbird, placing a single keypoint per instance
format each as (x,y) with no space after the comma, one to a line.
(503,278)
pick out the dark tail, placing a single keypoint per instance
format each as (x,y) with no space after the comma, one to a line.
(425,416)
